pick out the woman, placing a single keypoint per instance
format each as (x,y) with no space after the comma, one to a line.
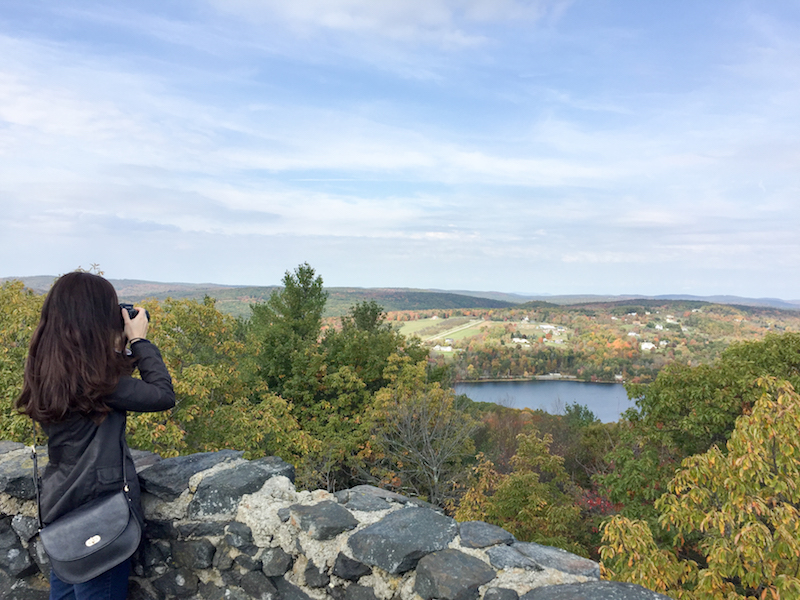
(78,386)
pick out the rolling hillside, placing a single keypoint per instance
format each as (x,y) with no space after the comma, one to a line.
(236,300)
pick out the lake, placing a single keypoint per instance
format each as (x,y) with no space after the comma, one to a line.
(606,400)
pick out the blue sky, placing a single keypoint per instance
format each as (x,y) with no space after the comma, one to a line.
(515,145)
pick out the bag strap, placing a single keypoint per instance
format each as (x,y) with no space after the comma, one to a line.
(36,477)
(37,481)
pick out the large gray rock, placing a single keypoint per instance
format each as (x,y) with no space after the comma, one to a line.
(289,591)
(248,563)
(223,557)
(179,582)
(315,577)
(361,495)
(477,534)
(143,459)
(364,498)
(500,594)
(219,494)
(26,527)
(349,569)
(275,562)
(39,556)
(6,446)
(193,554)
(161,530)
(401,538)
(451,575)
(324,521)
(153,553)
(16,472)
(209,591)
(344,496)
(505,557)
(194,529)
(168,478)
(359,592)
(556,558)
(238,535)
(274,466)
(258,586)
(14,559)
(593,590)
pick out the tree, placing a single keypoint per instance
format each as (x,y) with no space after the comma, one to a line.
(20,310)
(536,501)
(687,410)
(219,403)
(365,342)
(421,434)
(735,515)
(287,330)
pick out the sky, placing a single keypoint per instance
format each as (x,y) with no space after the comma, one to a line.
(528,146)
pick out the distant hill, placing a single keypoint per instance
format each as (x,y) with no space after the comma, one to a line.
(738,300)
(236,300)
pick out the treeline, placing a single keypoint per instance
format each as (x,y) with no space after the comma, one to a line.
(695,493)
(510,361)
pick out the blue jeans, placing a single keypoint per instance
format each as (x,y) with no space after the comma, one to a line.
(111,585)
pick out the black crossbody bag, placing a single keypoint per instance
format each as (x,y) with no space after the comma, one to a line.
(93,538)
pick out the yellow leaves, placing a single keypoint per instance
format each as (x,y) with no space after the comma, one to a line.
(630,554)
(742,505)
(19,316)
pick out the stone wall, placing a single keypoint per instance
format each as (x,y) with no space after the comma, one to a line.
(219,527)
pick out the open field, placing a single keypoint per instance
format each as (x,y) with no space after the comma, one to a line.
(435,328)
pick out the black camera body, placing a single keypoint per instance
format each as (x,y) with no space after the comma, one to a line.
(132,312)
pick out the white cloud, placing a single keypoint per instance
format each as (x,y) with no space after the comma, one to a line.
(298,121)
(443,22)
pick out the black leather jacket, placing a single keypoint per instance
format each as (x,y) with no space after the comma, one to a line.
(85,459)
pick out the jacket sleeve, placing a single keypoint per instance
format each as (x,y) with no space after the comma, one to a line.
(153,392)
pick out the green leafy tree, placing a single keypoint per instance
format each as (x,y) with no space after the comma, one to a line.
(353,358)
(685,411)
(286,331)
(734,514)
(219,403)
(536,501)
(365,342)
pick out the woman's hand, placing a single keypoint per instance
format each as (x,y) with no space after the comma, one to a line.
(136,327)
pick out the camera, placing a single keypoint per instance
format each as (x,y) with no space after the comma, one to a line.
(132,312)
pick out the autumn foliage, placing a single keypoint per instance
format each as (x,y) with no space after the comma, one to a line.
(734,512)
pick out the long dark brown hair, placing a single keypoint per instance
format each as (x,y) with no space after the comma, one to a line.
(73,362)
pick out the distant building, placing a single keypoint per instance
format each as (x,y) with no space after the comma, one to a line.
(647,346)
